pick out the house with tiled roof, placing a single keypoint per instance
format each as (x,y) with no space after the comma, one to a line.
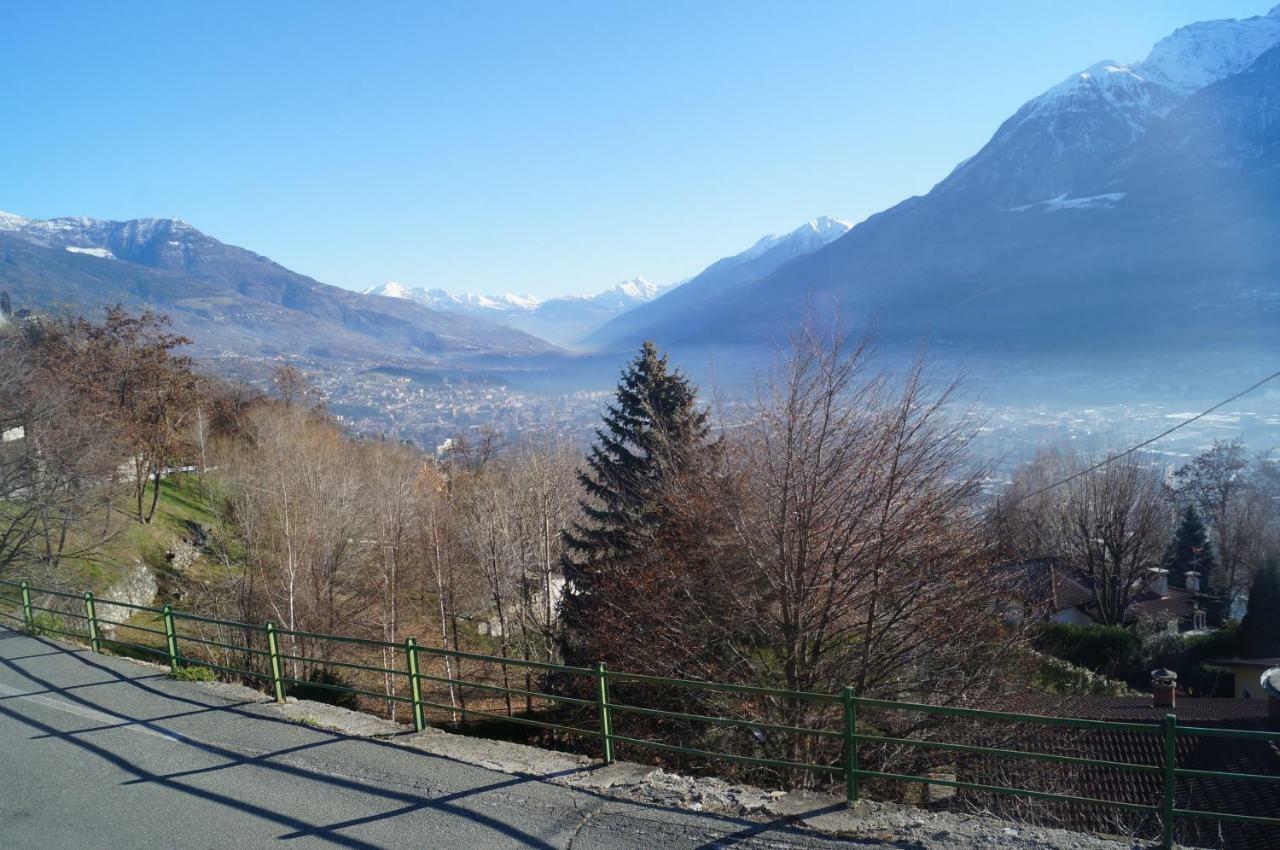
(1046,589)
(1248,673)
(1195,752)
(1173,610)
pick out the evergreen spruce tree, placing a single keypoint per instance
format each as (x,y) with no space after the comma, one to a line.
(651,432)
(1190,550)
(1260,628)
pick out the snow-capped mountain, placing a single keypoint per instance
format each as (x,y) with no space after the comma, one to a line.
(700,294)
(563,320)
(624,313)
(442,299)
(1195,56)
(1230,129)
(1077,128)
(1117,209)
(623,295)
(159,241)
(629,292)
(808,237)
(230,301)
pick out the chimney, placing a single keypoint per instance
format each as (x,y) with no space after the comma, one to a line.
(1164,684)
(1191,580)
(1159,581)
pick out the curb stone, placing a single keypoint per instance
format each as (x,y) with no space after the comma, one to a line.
(868,822)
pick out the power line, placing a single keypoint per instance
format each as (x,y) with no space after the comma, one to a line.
(1184,423)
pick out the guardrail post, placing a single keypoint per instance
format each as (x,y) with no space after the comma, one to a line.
(415,684)
(91,615)
(1170,728)
(277,669)
(26,608)
(170,636)
(850,745)
(602,703)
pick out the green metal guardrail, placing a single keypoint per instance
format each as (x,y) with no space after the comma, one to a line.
(850,705)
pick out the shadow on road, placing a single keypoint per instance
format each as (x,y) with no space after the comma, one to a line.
(331,832)
(298,828)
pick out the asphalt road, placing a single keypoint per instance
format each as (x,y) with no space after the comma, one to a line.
(97,752)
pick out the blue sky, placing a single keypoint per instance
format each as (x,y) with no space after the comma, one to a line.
(544,148)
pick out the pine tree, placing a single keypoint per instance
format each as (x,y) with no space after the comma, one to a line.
(652,432)
(1190,550)
(1260,628)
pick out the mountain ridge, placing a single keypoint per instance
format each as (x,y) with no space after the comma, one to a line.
(562,320)
(637,289)
(228,299)
(1100,214)
(703,292)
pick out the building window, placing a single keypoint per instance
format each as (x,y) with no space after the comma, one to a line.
(1198,619)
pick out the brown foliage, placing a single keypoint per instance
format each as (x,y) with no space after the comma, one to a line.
(56,465)
(127,373)
(1108,526)
(831,544)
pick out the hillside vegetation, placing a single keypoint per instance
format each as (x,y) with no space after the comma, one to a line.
(837,538)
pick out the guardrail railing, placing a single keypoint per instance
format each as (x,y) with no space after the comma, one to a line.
(279,662)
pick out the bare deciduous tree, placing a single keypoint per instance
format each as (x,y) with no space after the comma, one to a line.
(127,372)
(1227,493)
(1112,525)
(858,528)
(832,544)
(390,504)
(56,465)
(297,495)
(544,485)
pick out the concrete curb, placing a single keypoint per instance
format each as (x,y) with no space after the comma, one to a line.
(869,822)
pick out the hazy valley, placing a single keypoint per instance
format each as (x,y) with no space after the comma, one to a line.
(953,522)
(1116,231)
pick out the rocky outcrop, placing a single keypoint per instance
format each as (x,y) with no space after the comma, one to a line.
(137,587)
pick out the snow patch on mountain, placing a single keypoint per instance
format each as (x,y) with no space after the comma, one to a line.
(445,300)
(621,296)
(9,221)
(92,252)
(79,234)
(1078,126)
(1202,53)
(628,293)
(1062,202)
(1113,86)
(1180,64)
(390,289)
(521,302)
(637,289)
(563,320)
(500,303)
(806,238)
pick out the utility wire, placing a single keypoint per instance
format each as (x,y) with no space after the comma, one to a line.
(1111,459)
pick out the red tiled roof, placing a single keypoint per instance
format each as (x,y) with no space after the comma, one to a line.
(1255,663)
(1047,584)
(1139,709)
(1176,603)
(1042,582)
(1193,751)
